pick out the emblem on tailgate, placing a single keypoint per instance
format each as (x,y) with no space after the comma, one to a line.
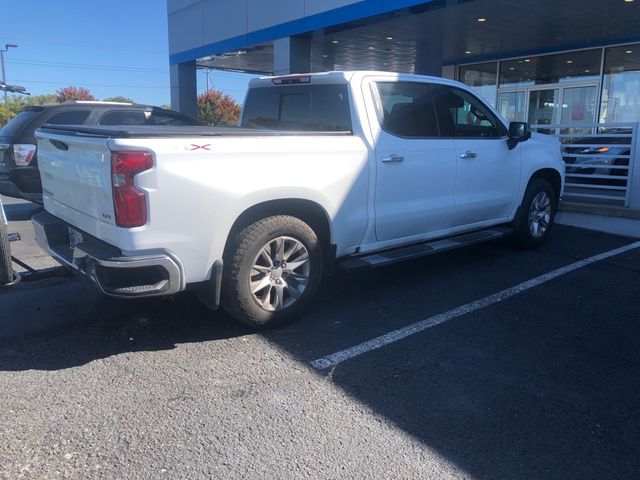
(200,147)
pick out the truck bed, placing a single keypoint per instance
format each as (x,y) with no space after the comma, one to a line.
(154,131)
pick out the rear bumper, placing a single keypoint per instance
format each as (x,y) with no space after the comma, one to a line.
(117,275)
(9,189)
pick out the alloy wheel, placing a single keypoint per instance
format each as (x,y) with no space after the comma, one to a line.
(280,273)
(540,214)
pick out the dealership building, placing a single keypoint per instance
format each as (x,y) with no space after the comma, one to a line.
(568,67)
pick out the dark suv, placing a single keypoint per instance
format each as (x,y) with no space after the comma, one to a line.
(19,175)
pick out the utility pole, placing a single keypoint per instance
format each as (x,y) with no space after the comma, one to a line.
(7,46)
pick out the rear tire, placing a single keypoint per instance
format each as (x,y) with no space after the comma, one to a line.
(272,271)
(536,215)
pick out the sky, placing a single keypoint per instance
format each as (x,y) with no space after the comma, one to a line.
(112,47)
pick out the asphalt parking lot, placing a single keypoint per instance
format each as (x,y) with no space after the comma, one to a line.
(543,383)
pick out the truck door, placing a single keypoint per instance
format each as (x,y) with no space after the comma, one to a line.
(415,165)
(488,178)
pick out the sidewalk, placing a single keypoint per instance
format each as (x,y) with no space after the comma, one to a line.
(614,220)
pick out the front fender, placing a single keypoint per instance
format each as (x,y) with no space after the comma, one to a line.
(541,152)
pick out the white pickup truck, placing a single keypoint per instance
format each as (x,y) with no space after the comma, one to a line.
(347,169)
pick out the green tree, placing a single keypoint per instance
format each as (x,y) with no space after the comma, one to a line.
(119,98)
(18,102)
(71,93)
(216,108)
(9,111)
(39,99)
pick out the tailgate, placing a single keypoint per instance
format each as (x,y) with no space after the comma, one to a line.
(76,181)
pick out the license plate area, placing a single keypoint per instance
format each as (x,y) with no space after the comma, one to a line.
(75,238)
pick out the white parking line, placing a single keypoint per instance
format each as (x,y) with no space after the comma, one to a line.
(394,336)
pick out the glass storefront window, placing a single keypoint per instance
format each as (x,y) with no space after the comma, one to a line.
(578,105)
(512,106)
(569,67)
(577,76)
(483,78)
(621,86)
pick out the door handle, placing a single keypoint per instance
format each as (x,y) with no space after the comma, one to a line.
(393,159)
(468,154)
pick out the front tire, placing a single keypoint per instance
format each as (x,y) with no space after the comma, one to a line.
(536,215)
(272,271)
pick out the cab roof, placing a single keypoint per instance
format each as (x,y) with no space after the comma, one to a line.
(338,77)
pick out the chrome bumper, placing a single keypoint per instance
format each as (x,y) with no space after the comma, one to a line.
(150,275)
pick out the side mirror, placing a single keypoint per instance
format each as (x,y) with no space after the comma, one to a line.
(518,132)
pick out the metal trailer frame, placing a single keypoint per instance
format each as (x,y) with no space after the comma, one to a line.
(31,274)
(15,276)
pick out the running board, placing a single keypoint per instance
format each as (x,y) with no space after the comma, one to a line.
(388,257)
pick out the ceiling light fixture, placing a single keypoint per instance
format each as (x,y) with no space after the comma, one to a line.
(482,19)
(629,51)
(569,61)
(335,42)
(371,47)
(527,60)
(468,52)
(389,38)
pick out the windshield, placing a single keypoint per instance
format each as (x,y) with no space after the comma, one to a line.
(17,123)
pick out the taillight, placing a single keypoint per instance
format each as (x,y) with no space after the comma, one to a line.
(23,154)
(129,202)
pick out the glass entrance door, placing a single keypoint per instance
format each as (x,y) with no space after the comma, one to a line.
(544,106)
(558,104)
(512,105)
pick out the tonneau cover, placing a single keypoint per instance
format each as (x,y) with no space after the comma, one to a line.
(153,131)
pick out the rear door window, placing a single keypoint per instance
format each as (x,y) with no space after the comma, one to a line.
(71,117)
(124,117)
(408,109)
(315,108)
